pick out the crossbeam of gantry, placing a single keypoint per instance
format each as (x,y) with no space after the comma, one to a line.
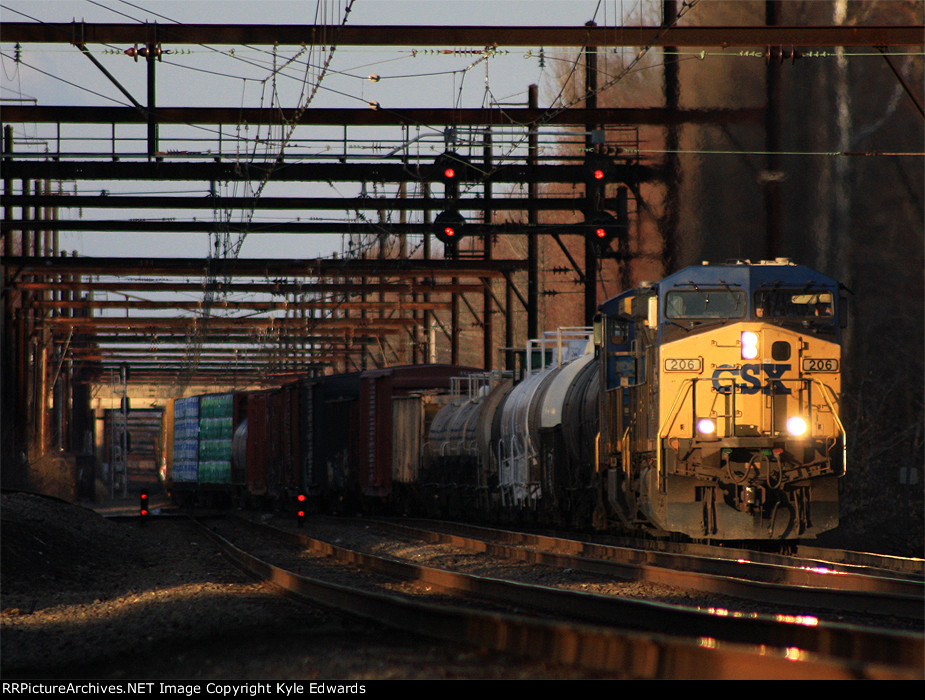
(299,332)
(219,376)
(491,37)
(281,287)
(157,225)
(238,337)
(165,373)
(293,358)
(220,203)
(266,268)
(159,352)
(154,324)
(174,358)
(269,276)
(209,343)
(225,305)
(167,361)
(203,340)
(177,359)
(384,115)
(185,170)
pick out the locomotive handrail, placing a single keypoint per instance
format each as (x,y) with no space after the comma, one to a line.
(732,390)
(625,451)
(832,404)
(597,453)
(669,420)
(827,394)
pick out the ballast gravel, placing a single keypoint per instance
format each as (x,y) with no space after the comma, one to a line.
(86,597)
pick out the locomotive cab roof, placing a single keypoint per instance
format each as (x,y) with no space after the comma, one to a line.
(750,276)
(777,291)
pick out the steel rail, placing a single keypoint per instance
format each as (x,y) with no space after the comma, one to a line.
(775,584)
(844,650)
(913,567)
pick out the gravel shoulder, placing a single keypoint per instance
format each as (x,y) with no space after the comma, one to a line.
(85,597)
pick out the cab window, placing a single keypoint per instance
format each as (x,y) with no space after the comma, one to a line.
(705,303)
(794,304)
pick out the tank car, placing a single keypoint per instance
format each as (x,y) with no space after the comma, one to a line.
(459,477)
(507,444)
(720,391)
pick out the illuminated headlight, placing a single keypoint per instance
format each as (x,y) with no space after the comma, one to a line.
(796,425)
(706,426)
(749,342)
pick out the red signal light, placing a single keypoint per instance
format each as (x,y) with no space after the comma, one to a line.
(143,510)
(449,226)
(300,511)
(602,230)
(449,173)
(598,168)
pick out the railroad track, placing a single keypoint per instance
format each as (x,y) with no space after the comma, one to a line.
(845,561)
(799,582)
(603,634)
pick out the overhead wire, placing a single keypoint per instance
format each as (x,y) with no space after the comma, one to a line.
(553,110)
(257,64)
(280,68)
(304,102)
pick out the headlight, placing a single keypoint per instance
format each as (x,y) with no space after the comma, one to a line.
(796,426)
(749,342)
(706,426)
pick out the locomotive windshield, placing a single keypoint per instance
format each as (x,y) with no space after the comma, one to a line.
(705,303)
(798,304)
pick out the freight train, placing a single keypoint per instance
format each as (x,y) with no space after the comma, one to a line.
(703,406)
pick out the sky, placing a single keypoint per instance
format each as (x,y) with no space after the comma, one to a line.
(210,76)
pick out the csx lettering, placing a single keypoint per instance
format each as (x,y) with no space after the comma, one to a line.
(750,376)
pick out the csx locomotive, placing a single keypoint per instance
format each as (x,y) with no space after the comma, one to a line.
(720,402)
(704,405)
